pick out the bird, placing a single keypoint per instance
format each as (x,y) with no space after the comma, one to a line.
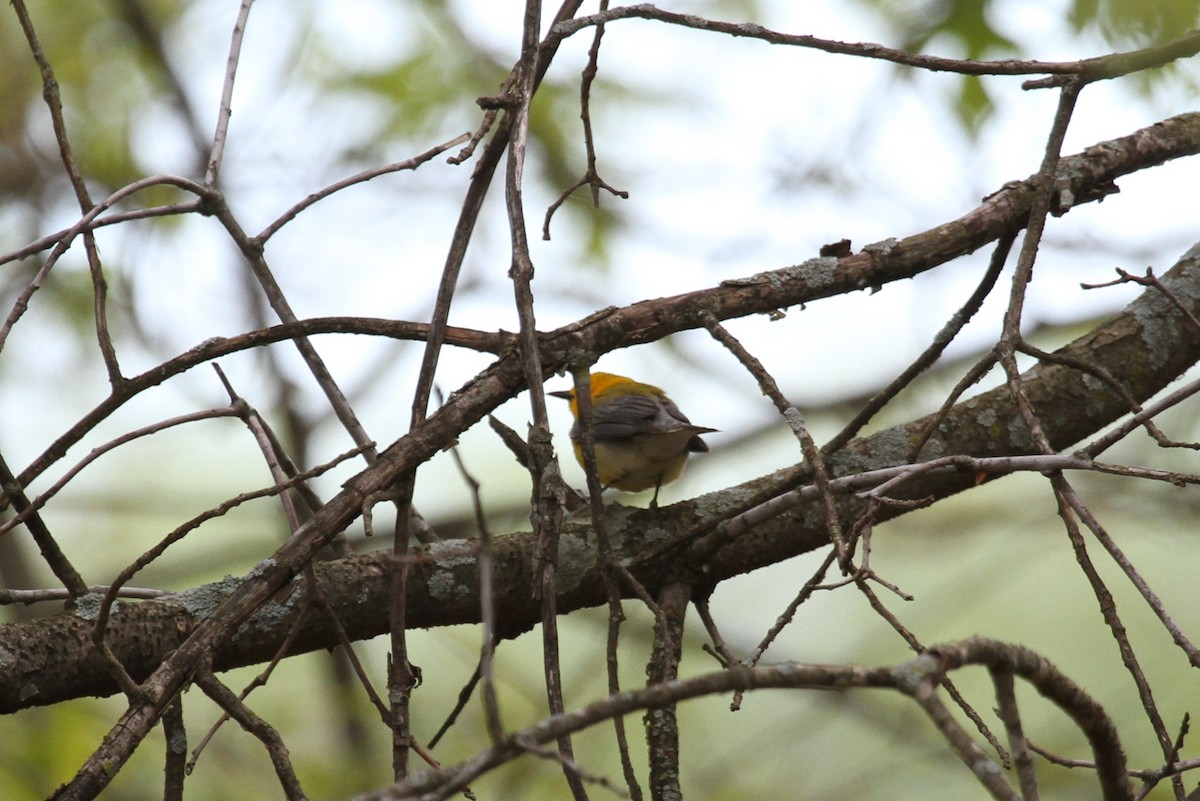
(641,438)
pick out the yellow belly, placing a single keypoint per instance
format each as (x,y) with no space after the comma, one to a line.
(640,463)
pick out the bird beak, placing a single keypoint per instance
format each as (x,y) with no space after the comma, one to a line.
(565,394)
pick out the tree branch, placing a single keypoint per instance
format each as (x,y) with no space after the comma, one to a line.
(1146,346)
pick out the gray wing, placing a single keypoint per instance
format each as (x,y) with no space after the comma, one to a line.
(631,415)
(626,416)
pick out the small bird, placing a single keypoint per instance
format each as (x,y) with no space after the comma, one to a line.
(641,438)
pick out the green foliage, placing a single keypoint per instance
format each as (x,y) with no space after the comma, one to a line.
(119,76)
(963,22)
(976,29)
(438,72)
(1131,24)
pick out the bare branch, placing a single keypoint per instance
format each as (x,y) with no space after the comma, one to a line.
(252,723)
(217,155)
(915,678)
(1097,68)
(358,178)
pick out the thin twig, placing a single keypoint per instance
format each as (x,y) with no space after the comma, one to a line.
(814,457)
(358,178)
(989,774)
(785,619)
(253,253)
(546,508)
(1010,714)
(591,177)
(931,354)
(53,100)
(1023,273)
(41,500)
(487,598)
(39,596)
(1151,280)
(1108,609)
(184,529)
(225,110)
(969,379)
(1109,66)
(260,680)
(718,648)
(56,560)
(464,695)
(60,242)
(612,568)
(1143,587)
(252,723)
(946,683)
(1150,783)
(1152,776)
(117,217)
(1088,368)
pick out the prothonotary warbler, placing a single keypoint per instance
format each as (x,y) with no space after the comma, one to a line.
(641,438)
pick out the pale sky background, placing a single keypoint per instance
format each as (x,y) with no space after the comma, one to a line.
(718,190)
(716,141)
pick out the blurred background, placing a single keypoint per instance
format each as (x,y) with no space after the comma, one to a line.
(738,157)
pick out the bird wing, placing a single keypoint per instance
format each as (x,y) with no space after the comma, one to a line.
(627,416)
(630,415)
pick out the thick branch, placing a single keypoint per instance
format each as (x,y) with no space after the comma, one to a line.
(1146,346)
(1081,178)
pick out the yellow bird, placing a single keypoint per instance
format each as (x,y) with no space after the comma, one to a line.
(642,440)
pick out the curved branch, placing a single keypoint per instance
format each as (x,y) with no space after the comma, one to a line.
(216,347)
(1139,333)
(1099,67)
(1082,178)
(48,660)
(916,676)
(168,642)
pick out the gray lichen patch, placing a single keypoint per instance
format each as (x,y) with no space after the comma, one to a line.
(576,557)
(199,602)
(87,607)
(1157,316)
(448,583)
